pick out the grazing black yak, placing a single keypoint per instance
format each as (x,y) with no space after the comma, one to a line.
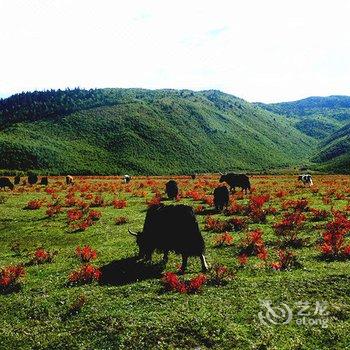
(17,180)
(44,181)
(69,180)
(32,178)
(236,180)
(171,189)
(221,197)
(5,182)
(193,176)
(171,228)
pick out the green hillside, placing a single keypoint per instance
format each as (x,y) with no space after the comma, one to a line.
(326,119)
(334,153)
(317,117)
(113,131)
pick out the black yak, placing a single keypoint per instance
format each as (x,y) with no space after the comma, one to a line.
(126,179)
(171,228)
(44,181)
(221,197)
(193,176)
(17,180)
(32,178)
(69,180)
(236,180)
(306,179)
(171,189)
(5,182)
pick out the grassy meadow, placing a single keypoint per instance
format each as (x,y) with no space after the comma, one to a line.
(250,241)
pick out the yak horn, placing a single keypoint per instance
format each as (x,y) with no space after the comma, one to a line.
(132,233)
(221,173)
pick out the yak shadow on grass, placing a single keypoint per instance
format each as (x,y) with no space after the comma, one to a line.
(129,270)
(11,289)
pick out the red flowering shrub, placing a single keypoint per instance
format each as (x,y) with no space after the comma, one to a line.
(238,224)
(121,220)
(258,201)
(199,209)
(139,193)
(224,239)
(70,200)
(83,225)
(86,254)
(42,256)
(85,274)
(94,215)
(346,251)
(209,200)
(53,210)
(98,201)
(281,193)
(128,189)
(314,190)
(234,208)
(253,244)
(216,225)
(258,215)
(339,223)
(340,196)
(10,278)
(333,245)
(82,205)
(326,200)
(289,228)
(195,284)
(49,190)
(319,214)
(243,259)
(240,195)
(297,205)
(286,261)
(34,204)
(119,203)
(220,275)
(156,192)
(330,192)
(195,195)
(172,282)
(74,214)
(255,209)
(156,200)
(80,220)
(271,210)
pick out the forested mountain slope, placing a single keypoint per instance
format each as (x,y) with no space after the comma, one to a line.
(113,131)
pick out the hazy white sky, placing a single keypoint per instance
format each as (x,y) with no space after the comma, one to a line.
(260,50)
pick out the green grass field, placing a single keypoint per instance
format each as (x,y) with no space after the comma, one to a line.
(141,314)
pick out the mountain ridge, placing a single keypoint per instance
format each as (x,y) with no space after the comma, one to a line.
(105,131)
(315,116)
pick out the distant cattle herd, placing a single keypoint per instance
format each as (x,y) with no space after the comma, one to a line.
(233,180)
(179,221)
